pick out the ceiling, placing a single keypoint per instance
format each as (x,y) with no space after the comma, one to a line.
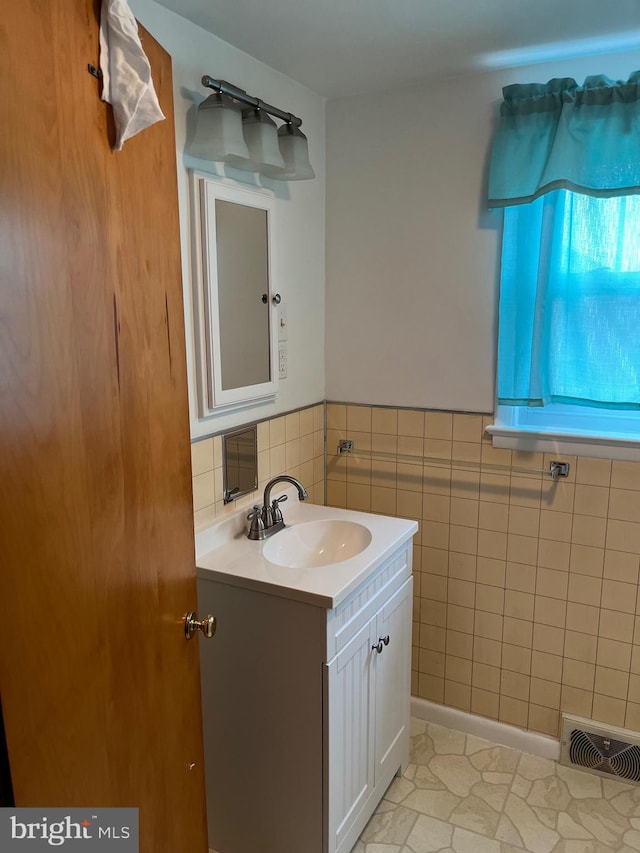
(349,47)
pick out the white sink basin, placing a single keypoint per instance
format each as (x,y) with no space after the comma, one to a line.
(311,544)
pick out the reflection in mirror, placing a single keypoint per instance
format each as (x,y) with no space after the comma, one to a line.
(243,289)
(240,463)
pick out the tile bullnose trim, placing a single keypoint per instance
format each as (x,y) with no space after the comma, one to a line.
(501,733)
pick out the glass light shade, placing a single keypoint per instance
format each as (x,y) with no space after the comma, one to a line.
(295,153)
(261,136)
(218,133)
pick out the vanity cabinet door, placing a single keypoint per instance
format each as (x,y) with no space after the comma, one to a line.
(392,683)
(350,735)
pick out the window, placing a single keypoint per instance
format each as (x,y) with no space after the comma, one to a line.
(569,322)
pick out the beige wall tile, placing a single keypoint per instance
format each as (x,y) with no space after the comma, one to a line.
(463,539)
(383,501)
(461,592)
(584,590)
(436,507)
(462,566)
(591,500)
(632,716)
(432,637)
(460,618)
(558,497)
(494,488)
(611,682)
(459,644)
(625,475)
(606,709)
(467,428)
(551,583)
(548,639)
(517,632)
(515,685)
(550,611)
(485,703)
(524,521)
(583,618)
(555,526)
(435,534)
(409,504)
(458,669)
(578,674)
(431,687)
(434,587)
(586,560)
(624,505)
(593,472)
(465,484)
(544,720)
(382,442)
(525,491)
(614,654)
(489,598)
(520,605)
(358,418)
(433,612)
(580,647)
(457,695)
(623,536)
(576,701)
(545,693)
(553,554)
(358,497)
(203,490)
(438,425)
(410,422)
(522,549)
(489,625)
(521,577)
(513,711)
(201,457)
(516,659)
(464,512)
(486,677)
(491,572)
(277,429)
(493,516)
(621,567)
(634,688)
(492,544)
(546,666)
(589,530)
(619,596)
(466,451)
(487,651)
(336,493)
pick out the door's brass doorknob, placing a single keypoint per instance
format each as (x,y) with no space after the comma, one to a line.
(192,625)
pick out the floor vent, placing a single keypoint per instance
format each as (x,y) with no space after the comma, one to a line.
(607,751)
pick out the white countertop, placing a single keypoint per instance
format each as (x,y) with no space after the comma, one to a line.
(225,554)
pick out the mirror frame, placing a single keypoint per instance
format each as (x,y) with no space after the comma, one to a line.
(212,398)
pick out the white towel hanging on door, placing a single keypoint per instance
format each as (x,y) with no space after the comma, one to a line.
(126,73)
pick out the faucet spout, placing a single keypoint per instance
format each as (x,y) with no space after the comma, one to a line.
(283,478)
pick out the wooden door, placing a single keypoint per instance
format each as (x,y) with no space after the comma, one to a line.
(100,691)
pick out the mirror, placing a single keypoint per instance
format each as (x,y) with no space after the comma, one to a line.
(233,298)
(240,463)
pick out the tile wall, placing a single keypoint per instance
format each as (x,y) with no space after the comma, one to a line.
(291,444)
(526,591)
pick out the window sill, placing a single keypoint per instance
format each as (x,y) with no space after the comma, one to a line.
(574,443)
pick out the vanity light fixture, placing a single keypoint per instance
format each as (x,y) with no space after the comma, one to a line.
(280,154)
(218,135)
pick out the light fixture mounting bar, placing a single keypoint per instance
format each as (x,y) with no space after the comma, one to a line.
(240,95)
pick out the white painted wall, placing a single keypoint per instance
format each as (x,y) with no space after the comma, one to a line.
(412,252)
(298,252)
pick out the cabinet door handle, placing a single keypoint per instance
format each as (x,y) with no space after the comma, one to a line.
(382,642)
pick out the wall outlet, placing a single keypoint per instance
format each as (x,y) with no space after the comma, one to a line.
(282,361)
(282,322)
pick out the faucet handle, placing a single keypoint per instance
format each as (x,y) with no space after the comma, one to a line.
(256,531)
(275,509)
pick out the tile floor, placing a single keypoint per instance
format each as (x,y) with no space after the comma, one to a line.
(461,794)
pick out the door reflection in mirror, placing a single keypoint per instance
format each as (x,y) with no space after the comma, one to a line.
(242,250)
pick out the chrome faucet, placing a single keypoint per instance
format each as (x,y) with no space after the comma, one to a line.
(267,520)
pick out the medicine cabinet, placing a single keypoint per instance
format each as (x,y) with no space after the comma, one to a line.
(233,278)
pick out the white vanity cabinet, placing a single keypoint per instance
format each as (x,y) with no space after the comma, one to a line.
(305,721)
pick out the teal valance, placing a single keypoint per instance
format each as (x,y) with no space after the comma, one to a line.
(560,135)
